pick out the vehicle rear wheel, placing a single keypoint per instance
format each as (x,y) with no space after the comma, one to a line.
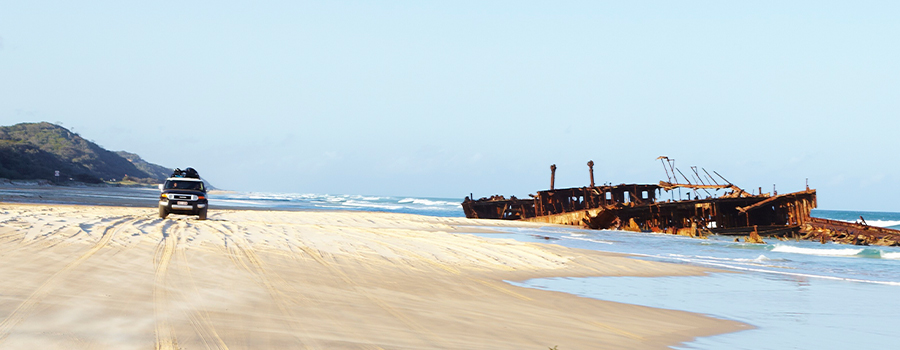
(163,212)
(202,214)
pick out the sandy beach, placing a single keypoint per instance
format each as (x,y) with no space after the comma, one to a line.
(88,277)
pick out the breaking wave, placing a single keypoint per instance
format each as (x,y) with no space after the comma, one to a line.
(300,201)
(883,223)
(781,270)
(890,255)
(422,201)
(816,251)
(877,223)
(877,219)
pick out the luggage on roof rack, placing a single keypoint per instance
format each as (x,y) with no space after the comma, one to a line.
(188,173)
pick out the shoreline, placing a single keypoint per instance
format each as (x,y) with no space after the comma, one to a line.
(122,196)
(315,278)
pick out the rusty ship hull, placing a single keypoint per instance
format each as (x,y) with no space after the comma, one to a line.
(635,207)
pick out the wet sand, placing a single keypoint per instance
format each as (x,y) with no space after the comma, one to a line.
(90,277)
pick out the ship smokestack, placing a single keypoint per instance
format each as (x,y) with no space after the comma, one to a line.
(552,175)
(591,167)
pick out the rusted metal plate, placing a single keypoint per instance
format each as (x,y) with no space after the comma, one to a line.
(825,230)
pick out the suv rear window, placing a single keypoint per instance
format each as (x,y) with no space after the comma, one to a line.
(184,185)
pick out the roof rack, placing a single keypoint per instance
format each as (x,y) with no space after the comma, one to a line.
(186,173)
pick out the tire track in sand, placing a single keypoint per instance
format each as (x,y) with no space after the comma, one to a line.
(336,271)
(239,248)
(28,305)
(40,232)
(409,322)
(165,249)
(237,251)
(200,320)
(500,287)
(433,262)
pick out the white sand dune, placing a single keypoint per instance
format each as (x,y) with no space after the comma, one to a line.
(82,277)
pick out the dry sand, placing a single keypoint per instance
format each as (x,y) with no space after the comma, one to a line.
(83,277)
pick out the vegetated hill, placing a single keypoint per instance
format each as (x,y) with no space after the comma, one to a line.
(24,161)
(37,150)
(156,171)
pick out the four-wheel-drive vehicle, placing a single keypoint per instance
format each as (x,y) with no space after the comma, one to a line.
(183,193)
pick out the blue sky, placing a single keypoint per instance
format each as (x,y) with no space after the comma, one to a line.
(446,99)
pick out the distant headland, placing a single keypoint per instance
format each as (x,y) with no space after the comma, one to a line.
(46,151)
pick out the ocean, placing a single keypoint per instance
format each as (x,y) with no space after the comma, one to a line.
(443,207)
(797,294)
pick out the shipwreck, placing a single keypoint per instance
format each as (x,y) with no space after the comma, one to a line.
(639,208)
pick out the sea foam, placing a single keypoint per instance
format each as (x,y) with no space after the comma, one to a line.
(816,251)
(428,202)
(890,255)
(878,223)
(883,223)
